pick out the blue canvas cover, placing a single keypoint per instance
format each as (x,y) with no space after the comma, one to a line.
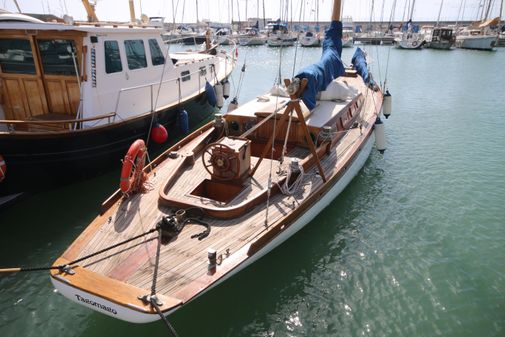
(359,63)
(329,67)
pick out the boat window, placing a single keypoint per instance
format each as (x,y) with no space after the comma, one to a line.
(58,56)
(185,76)
(112,57)
(156,55)
(16,56)
(135,54)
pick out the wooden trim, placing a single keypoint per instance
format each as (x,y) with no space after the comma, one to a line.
(112,290)
(284,223)
(151,167)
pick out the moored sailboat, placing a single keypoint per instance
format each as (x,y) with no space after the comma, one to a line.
(411,38)
(75,95)
(309,39)
(227,194)
(480,35)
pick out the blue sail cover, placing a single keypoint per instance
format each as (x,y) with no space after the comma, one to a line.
(329,67)
(359,63)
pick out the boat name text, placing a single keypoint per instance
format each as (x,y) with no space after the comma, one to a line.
(96,304)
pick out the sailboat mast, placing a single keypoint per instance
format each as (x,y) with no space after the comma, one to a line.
(439,12)
(264,18)
(17,6)
(335,16)
(173,15)
(461,5)
(412,10)
(197,11)
(132,11)
(231,2)
(488,9)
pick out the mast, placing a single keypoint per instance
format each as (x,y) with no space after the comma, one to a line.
(488,9)
(132,11)
(335,16)
(90,10)
(173,15)
(197,12)
(481,6)
(439,12)
(412,10)
(183,8)
(264,19)
(382,15)
(231,2)
(17,5)
(462,4)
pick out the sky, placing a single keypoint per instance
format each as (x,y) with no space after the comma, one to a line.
(220,10)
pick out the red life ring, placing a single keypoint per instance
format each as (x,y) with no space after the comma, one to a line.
(131,174)
(3,168)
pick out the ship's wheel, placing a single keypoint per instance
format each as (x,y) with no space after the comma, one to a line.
(220,161)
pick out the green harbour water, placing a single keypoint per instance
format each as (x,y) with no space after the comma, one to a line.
(415,246)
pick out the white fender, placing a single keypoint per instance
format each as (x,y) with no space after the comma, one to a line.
(218,88)
(380,136)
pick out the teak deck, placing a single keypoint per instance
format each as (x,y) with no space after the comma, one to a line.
(183,271)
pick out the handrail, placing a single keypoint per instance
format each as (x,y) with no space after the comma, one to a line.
(151,85)
(57,121)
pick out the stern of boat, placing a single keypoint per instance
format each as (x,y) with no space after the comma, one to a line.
(82,287)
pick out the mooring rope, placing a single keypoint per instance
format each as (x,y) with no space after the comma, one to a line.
(69,265)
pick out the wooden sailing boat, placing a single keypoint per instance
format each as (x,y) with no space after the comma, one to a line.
(227,194)
(75,95)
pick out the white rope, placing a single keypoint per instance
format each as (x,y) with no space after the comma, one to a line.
(290,189)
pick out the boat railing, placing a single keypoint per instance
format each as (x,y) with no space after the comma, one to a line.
(152,86)
(154,106)
(51,125)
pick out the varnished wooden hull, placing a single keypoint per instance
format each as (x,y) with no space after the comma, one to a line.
(112,282)
(37,161)
(84,294)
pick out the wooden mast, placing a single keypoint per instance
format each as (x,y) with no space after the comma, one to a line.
(335,16)
(132,11)
(90,10)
